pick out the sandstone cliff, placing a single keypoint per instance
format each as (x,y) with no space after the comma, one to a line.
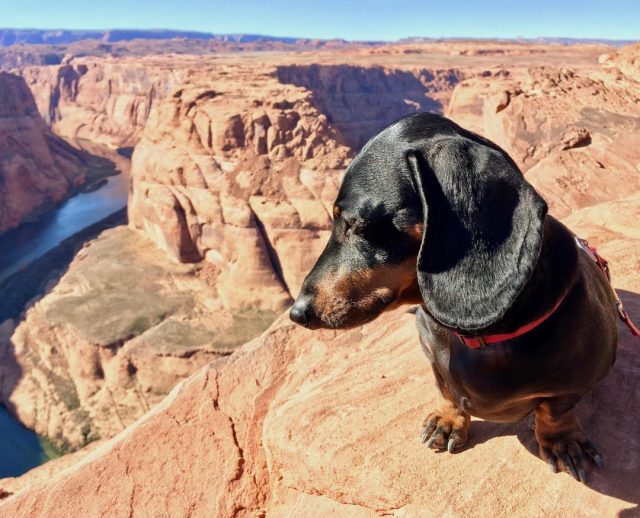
(37,168)
(110,340)
(240,168)
(99,100)
(242,179)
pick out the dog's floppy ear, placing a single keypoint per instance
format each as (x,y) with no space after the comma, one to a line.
(483,225)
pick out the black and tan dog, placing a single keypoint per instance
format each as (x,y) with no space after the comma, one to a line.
(513,317)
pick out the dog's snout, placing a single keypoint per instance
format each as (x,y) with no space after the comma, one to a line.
(302,311)
(299,312)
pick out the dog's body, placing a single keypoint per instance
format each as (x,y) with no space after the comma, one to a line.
(560,360)
(431,214)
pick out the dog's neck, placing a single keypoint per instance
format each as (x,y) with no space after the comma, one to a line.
(555,272)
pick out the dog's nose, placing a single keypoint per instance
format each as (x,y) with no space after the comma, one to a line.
(300,312)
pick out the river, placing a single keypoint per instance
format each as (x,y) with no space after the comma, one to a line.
(29,241)
(20,448)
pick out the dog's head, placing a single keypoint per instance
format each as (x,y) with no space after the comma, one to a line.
(427,212)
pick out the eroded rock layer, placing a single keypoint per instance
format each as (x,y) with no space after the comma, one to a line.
(37,168)
(99,100)
(111,339)
(242,177)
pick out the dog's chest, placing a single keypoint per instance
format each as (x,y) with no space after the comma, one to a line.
(495,384)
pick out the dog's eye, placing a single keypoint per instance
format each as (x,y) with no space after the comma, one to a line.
(355,227)
(350,225)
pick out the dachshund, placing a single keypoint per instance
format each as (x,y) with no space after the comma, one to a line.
(512,316)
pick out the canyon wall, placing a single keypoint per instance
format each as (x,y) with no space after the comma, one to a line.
(107,102)
(360,101)
(37,168)
(111,338)
(243,178)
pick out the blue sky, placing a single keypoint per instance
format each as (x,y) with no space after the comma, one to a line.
(349,19)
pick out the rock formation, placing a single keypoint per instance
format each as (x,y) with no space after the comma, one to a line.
(245,178)
(110,340)
(37,168)
(105,102)
(360,101)
(573,135)
(241,180)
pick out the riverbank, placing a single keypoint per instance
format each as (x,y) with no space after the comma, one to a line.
(23,245)
(32,259)
(30,282)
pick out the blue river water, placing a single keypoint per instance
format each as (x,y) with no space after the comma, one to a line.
(20,246)
(20,448)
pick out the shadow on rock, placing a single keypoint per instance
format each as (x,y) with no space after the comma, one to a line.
(359,101)
(610,417)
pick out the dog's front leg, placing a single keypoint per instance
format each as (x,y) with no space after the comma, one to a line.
(561,439)
(448,425)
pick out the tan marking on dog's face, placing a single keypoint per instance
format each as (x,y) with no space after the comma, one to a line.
(350,298)
(336,212)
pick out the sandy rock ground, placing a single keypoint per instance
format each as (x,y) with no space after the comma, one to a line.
(299,423)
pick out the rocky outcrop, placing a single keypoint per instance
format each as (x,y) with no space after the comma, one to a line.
(466,105)
(626,60)
(572,134)
(360,101)
(98,100)
(246,178)
(242,179)
(121,327)
(37,168)
(300,423)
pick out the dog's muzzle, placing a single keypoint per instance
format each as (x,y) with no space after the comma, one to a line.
(302,313)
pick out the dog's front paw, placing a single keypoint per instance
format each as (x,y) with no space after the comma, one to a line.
(446,428)
(569,452)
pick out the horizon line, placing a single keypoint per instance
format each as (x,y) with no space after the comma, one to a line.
(413,37)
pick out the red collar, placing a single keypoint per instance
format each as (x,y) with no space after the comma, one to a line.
(476,342)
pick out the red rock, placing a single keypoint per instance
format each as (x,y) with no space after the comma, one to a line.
(328,422)
(37,169)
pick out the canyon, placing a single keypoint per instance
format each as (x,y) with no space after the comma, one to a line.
(38,169)
(236,163)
